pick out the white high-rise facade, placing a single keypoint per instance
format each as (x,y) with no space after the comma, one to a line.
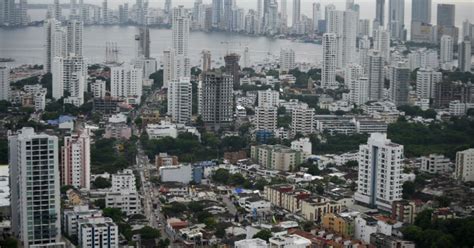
(364,47)
(446,51)
(399,84)
(4,83)
(382,43)
(344,25)
(302,120)
(35,189)
(396,19)
(180,100)
(55,42)
(266,118)
(74,37)
(76,160)
(376,76)
(169,68)
(380,168)
(465,165)
(126,82)
(316,16)
(426,80)
(335,25)
(328,72)
(268,98)
(357,84)
(465,56)
(69,75)
(296,13)
(287,60)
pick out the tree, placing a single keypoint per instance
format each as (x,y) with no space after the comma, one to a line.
(423,219)
(237,179)
(149,233)
(9,242)
(263,234)
(221,176)
(408,189)
(101,183)
(115,214)
(163,243)
(100,203)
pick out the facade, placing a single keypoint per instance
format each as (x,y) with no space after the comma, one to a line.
(436,164)
(69,75)
(399,85)
(266,118)
(314,208)
(465,165)
(182,173)
(342,225)
(180,40)
(382,43)
(98,89)
(180,100)
(303,144)
(4,83)
(232,67)
(381,240)
(421,11)
(446,49)
(216,99)
(276,157)
(75,162)
(126,82)
(127,202)
(379,14)
(328,72)
(465,61)
(287,60)
(124,181)
(404,211)
(376,76)
(268,97)
(396,19)
(74,37)
(251,243)
(71,218)
(206,60)
(287,240)
(302,120)
(35,154)
(286,196)
(380,168)
(426,81)
(55,42)
(98,232)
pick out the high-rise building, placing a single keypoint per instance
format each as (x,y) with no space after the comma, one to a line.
(98,232)
(363,28)
(364,47)
(357,84)
(380,167)
(268,98)
(232,67)
(55,42)
(169,67)
(446,49)
(316,16)
(380,13)
(426,80)
(399,84)
(266,118)
(57,11)
(217,13)
(287,60)
(74,37)
(465,165)
(335,25)
(296,13)
(126,82)
(143,42)
(69,75)
(421,11)
(376,75)
(180,39)
(4,83)
(246,58)
(216,99)
(396,19)
(465,56)
(105,13)
(328,72)
(35,192)
(206,60)
(344,25)
(352,73)
(180,100)
(446,15)
(76,160)
(302,120)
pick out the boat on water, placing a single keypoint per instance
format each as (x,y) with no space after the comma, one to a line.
(6,60)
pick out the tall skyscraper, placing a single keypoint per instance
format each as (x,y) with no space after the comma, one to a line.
(105,12)
(4,83)
(57,11)
(34,191)
(465,56)
(349,37)
(426,80)
(266,118)
(143,42)
(232,67)
(69,75)
(376,76)
(302,120)
(74,37)
(287,60)
(206,60)
(180,100)
(421,11)
(446,49)
(382,43)
(380,167)
(169,67)
(446,15)
(55,42)
(126,82)
(396,19)
(284,13)
(217,13)
(180,38)
(76,160)
(296,12)
(328,72)
(465,165)
(399,84)
(380,13)
(316,16)
(216,99)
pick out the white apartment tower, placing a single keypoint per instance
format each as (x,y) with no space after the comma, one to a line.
(4,83)
(396,19)
(287,60)
(328,73)
(399,84)
(316,16)
(74,37)
(446,49)
(55,42)
(357,84)
(364,47)
(296,12)
(76,160)
(302,120)
(465,56)
(376,76)
(266,118)
(169,67)
(98,232)
(426,80)
(126,81)
(344,25)
(382,43)
(270,98)
(380,168)
(35,196)
(180,100)
(180,36)
(465,165)
(69,75)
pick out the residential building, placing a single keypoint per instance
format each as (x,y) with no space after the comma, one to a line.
(126,82)
(328,72)
(266,118)
(206,60)
(302,120)
(69,75)
(421,11)
(55,42)
(288,240)
(34,163)
(124,181)
(436,164)
(303,145)
(379,14)
(376,76)
(4,83)
(465,56)
(446,92)
(465,165)
(98,232)
(163,159)
(232,67)
(76,160)
(314,208)
(216,99)
(74,30)
(251,243)
(286,196)
(426,80)
(72,216)
(180,100)
(287,60)
(399,85)
(257,205)
(446,51)
(127,202)
(457,108)
(396,19)
(341,224)
(381,240)
(276,157)
(182,173)
(404,211)
(268,97)
(380,168)
(382,43)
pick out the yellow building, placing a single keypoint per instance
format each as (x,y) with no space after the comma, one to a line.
(286,196)
(315,208)
(342,225)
